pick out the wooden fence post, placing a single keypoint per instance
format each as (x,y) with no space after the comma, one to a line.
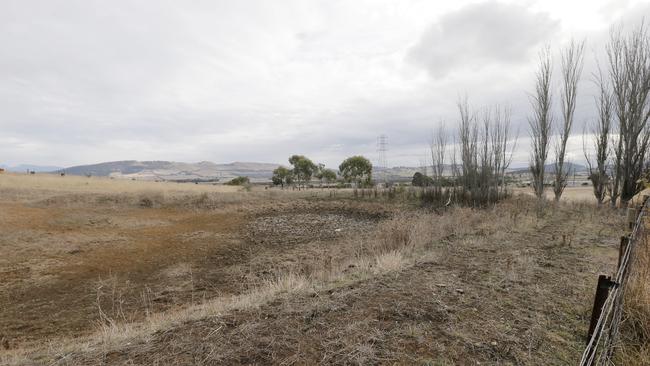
(602,291)
(625,240)
(631,217)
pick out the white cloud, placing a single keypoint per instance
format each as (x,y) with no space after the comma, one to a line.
(481,35)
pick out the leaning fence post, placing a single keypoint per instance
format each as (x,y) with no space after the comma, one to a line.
(631,217)
(602,291)
(625,240)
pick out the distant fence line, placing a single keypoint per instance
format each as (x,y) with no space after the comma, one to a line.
(607,310)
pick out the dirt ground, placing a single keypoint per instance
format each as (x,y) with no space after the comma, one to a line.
(402,285)
(65,258)
(485,297)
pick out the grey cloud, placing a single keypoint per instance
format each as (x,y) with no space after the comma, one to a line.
(481,34)
(83,81)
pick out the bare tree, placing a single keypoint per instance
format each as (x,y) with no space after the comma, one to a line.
(438,148)
(424,165)
(485,156)
(600,132)
(484,140)
(437,193)
(500,138)
(571,63)
(468,135)
(615,170)
(541,121)
(629,74)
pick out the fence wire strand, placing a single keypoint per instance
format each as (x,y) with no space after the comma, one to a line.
(603,341)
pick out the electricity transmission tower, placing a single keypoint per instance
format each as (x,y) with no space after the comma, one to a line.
(382,161)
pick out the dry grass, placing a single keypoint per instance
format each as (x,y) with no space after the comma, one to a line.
(78,184)
(570,194)
(50,189)
(635,328)
(400,244)
(459,261)
(396,245)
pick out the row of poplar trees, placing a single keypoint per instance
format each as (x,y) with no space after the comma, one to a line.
(615,143)
(620,133)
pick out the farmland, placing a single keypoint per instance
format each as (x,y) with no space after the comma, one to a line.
(106,271)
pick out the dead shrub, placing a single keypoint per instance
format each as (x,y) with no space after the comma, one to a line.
(146,202)
(394,234)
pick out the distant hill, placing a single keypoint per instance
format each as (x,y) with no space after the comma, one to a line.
(21,168)
(550,168)
(208,171)
(175,171)
(202,171)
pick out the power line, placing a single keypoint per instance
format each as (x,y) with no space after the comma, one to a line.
(382,161)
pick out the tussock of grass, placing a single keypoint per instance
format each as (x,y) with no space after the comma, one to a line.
(391,261)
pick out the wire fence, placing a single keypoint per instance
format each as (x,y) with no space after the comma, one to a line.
(607,311)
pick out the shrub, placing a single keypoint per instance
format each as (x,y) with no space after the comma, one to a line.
(239,181)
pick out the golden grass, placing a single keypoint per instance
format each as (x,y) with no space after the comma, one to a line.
(78,184)
(80,191)
(391,261)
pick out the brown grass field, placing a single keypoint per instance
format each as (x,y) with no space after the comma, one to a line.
(98,271)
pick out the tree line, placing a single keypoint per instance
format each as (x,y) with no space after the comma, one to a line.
(356,170)
(617,156)
(472,167)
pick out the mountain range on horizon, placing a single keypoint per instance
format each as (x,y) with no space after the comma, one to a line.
(175,171)
(209,171)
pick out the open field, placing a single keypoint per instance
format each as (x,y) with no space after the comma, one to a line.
(99,271)
(573,194)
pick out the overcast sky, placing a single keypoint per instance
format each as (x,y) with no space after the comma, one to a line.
(90,81)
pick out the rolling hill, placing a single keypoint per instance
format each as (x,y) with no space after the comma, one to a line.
(175,171)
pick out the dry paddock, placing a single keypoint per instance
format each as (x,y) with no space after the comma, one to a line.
(102,272)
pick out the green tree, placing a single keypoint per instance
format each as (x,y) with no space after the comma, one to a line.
(324,174)
(328,175)
(418,180)
(421,180)
(356,169)
(282,176)
(239,181)
(303,168)
(319,172)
